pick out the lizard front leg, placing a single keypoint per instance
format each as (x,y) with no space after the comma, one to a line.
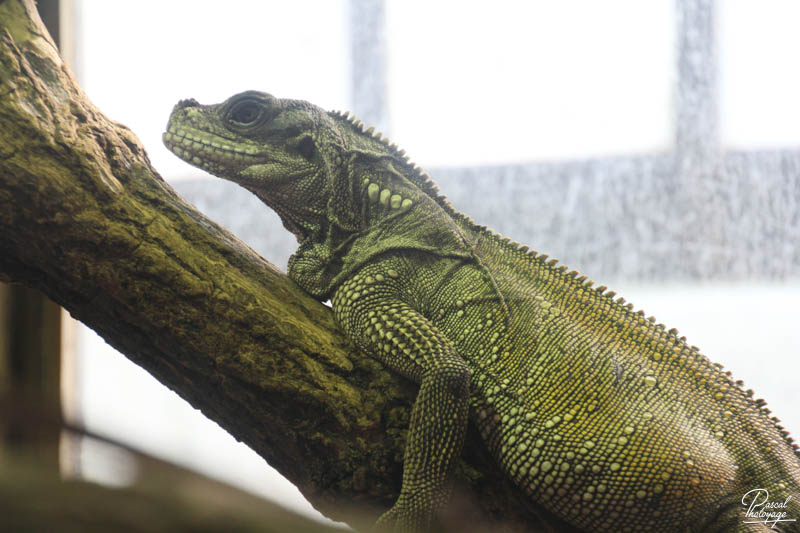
(370,311)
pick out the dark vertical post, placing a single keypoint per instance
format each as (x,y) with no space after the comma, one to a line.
(30,373)
(49,10)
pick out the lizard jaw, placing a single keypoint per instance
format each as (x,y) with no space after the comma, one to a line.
(212,153)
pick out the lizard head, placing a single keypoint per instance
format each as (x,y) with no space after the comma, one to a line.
(252,138)
(271,146)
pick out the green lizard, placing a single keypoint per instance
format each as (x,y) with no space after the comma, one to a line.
(598,413)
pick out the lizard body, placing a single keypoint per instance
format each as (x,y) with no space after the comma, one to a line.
(598,413)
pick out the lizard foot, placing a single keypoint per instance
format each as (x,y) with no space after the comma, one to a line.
(404,518)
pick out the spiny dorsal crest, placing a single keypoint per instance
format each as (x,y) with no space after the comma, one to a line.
(419,177)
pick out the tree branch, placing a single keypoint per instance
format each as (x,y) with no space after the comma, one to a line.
(88,221)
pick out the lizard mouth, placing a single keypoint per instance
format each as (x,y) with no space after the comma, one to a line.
(212,153)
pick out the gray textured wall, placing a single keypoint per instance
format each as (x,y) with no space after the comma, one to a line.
(631,219)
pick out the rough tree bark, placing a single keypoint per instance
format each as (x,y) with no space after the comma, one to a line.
(87,220)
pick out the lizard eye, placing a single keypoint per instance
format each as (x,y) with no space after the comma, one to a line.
(246,113)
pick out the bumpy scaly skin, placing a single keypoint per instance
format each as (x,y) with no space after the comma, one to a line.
(598,413)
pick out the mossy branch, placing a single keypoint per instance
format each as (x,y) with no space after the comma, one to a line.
(88,221)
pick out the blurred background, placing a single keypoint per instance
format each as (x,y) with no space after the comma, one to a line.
(654,146)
